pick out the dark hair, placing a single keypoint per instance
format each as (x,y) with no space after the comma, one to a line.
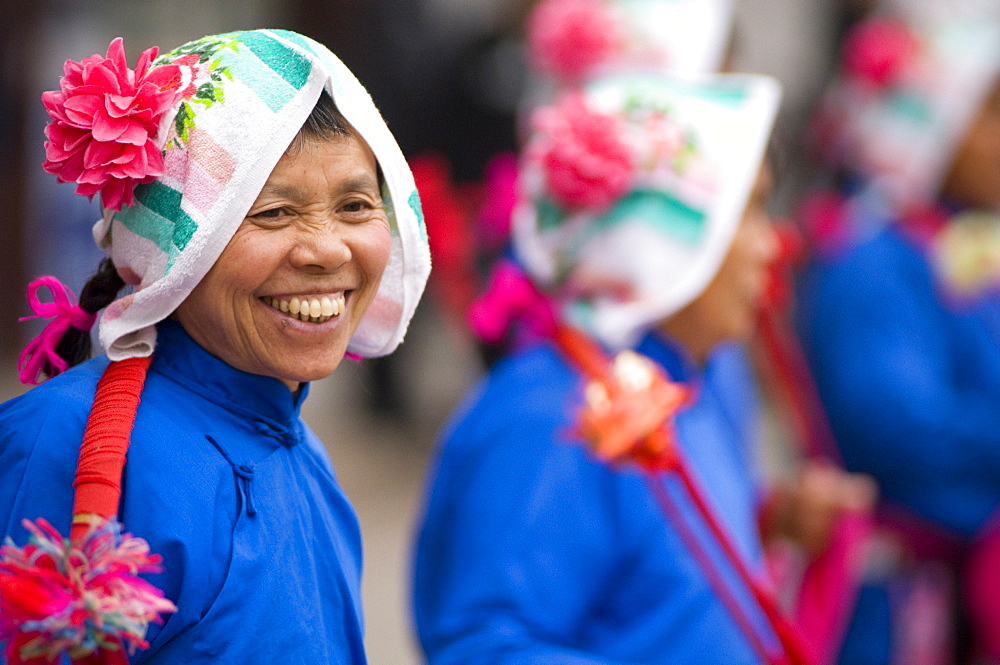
(325,121)
(99,292)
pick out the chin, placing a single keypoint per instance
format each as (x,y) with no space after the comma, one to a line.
(316,372)
(741,330)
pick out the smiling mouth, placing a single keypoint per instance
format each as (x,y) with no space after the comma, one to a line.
(310,310)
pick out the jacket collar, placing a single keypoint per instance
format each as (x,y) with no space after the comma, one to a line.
(257,397)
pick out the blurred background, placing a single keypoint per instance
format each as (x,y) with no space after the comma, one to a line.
(447,75)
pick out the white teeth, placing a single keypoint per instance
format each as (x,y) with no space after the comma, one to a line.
(312,310)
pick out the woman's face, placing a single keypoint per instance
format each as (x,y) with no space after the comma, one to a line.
(727,308)
(974,177)
(318,237)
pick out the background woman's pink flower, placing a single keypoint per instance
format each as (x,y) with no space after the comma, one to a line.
(105,118)
(584,155)
(568,38)
(877,50)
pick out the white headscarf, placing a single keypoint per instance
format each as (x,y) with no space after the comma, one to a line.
(249,94)
(912,79)
(631,190)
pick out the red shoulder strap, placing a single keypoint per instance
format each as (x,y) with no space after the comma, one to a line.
(591,360)
(106,441)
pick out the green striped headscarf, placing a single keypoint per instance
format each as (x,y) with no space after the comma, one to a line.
(247,96)
(630,192)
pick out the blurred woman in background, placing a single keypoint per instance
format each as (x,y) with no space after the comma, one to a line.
(900,311)
(641,229)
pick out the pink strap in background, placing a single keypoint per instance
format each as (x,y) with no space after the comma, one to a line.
(510,297)
(40,355)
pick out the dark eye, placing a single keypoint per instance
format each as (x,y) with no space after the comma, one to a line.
(355,206)
(270,213)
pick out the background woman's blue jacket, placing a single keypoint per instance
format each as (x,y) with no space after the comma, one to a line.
(531,551)
(910,378)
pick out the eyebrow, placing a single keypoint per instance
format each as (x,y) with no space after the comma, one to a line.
(361,182)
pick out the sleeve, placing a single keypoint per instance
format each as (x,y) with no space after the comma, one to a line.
(883,352)
(731,376)
(514,549)
(40,434)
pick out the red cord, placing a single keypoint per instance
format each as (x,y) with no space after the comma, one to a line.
(715,579)
(593,362)
(792,642)
(106,441)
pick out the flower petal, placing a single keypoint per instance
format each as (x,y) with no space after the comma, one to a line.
(107,128)
(118,106)
(71,169)
(137,166)
(134,133)
(116,194)
(145,58)
(100,78)
(116,57)
(101,153)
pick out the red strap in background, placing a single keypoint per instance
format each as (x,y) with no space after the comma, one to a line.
(106,441)
(593,362)
(831,581)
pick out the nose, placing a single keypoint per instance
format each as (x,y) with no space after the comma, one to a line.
(321,249)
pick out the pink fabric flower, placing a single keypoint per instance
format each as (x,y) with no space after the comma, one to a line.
(584,155)
(568,38)
(105,118)
(878,50)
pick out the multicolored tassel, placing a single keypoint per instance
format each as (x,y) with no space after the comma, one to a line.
(81,598)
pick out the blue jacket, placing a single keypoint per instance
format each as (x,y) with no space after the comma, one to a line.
(261,550)
(911,381)
(533,552)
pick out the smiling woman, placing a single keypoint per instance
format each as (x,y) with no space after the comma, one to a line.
(266,224)
(302,268)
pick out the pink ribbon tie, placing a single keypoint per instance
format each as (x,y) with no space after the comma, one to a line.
(65,313)
(509,298)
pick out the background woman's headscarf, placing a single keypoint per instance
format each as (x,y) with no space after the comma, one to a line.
(572,41)
(912,78)
(630,191)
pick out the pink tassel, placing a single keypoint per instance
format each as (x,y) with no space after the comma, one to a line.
(40,355)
